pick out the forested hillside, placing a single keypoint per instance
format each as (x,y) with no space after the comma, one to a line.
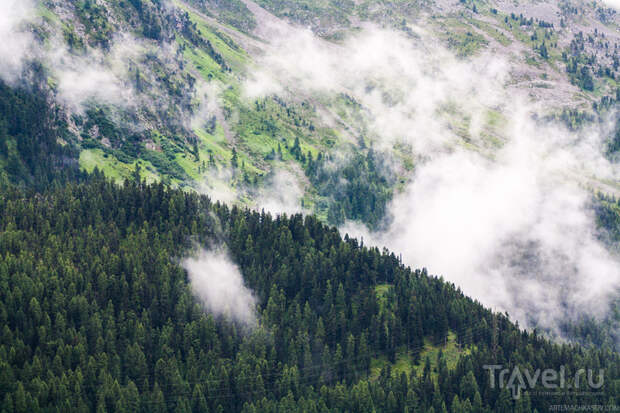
(474,137)
(98,315)
(30,133)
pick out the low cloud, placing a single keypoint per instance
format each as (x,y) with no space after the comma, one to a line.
(281,194)
(513,233)
(209,105)
(93,74)
(612,3)
(499,202)
(17,39)
(217,185)
(403,83)
(517,232)
(98,76)
(218,283)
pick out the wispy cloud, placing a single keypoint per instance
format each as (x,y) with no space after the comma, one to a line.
(219,284)
(17,39)
(281,194)
(497,206)
(612,3)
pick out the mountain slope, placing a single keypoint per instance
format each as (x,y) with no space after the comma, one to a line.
(98,315)
(356,118)
(169,86)
(463,134)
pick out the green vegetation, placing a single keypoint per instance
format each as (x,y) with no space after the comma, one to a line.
(96,24)
(412,362)
(492,31)
(450,351)
(97,315)
(404,364)
(30,132)
(460,37)
(358,188)
(213,144)
(585,65)
(90,159)
(232,12)
(608,214)
(222,43)
(317,14)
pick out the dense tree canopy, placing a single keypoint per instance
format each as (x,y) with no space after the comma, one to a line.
(30,131)
(97,315)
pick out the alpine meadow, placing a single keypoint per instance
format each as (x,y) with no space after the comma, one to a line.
(342,206)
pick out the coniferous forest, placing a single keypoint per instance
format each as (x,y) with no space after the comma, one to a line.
(98,316)
(100,206)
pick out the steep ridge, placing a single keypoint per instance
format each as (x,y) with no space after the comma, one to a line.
(98,315)
(355,108)
(465,136)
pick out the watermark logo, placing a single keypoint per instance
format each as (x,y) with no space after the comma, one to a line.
(518,379)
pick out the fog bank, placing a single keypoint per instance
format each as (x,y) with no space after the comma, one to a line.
(499,202)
